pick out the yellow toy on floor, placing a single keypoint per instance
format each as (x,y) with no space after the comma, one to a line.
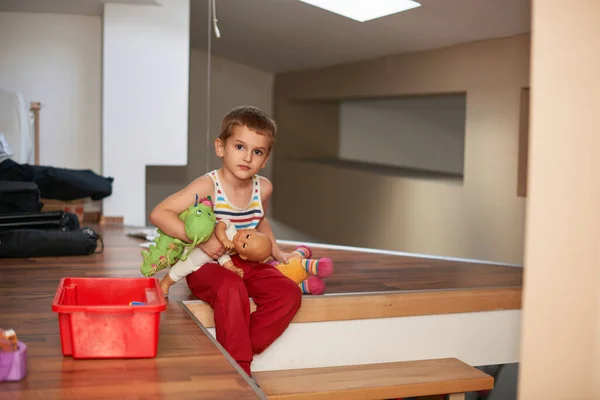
(306,272)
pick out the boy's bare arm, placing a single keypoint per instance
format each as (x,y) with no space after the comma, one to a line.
(266,189)
(265,227)
(222,236)
(165,215)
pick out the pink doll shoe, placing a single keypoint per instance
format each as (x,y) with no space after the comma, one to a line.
(305,250)
(313,285)
(324,267)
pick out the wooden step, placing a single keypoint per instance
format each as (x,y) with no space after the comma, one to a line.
(344,307)
(375,381)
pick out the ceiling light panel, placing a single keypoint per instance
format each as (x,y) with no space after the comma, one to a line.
(364,10)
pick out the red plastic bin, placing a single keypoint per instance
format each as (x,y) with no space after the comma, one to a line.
(96,320)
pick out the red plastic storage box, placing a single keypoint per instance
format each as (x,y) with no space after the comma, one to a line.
(97,320)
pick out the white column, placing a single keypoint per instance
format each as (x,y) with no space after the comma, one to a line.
(560,349)
(145,99)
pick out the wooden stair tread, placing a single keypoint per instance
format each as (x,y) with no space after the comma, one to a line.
(382,380)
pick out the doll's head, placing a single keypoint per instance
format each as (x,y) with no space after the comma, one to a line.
(252,245)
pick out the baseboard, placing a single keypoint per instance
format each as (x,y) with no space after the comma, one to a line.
(104,220)
(92,216)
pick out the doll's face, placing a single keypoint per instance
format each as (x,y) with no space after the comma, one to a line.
(252,245)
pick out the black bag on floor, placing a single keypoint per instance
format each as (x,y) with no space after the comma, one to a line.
(41,243)
(58,183)
(50,220)
(19,197)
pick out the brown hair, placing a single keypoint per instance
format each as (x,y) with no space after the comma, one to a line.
(251,117)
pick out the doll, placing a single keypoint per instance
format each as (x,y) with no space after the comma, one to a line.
(199,222)
(306,272)
(255,246)
(249,244)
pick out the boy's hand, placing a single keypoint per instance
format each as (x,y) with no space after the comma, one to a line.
(281,256)
(212,247)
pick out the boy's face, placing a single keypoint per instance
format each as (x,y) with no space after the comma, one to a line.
(244,153)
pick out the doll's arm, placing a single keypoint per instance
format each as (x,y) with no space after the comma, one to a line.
(225,261)
(222,236)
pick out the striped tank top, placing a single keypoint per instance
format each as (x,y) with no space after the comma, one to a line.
(243,218)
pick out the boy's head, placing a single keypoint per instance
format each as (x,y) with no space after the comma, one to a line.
(246,139)
(252,118)
(252,245)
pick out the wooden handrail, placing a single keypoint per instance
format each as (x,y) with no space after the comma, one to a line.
(35,108)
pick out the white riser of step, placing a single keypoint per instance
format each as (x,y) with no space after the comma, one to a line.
(479,338)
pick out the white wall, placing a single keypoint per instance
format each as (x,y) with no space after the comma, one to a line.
(480,218)
(56,59)
(145,104)
(232,85)
(423,132)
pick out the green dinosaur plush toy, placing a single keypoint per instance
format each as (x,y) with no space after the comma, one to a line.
(199,222)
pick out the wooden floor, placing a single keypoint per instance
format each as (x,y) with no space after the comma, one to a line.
(188,365)
(358,272)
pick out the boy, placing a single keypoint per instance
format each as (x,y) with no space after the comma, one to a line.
(245,142)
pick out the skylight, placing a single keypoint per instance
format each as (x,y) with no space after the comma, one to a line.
(364,10)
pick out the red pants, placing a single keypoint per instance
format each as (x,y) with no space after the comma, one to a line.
(277,300)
